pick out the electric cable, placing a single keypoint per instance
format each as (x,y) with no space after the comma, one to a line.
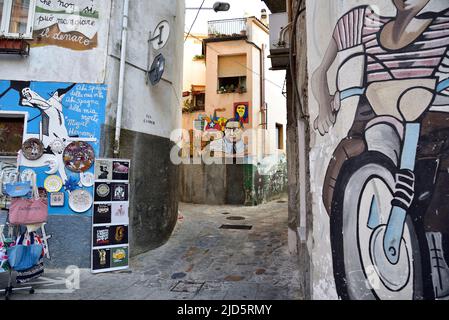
(193,23)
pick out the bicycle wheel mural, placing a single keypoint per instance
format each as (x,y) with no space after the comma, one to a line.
(385,188)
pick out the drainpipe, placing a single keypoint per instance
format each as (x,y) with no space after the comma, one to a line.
(264,104)
(118,125)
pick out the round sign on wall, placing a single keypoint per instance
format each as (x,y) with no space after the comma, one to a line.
(160,35)
(157,69)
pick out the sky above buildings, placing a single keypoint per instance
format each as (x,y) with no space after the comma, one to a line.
(239,9)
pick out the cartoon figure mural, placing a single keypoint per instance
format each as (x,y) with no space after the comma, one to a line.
(57,114)
(241,112)
(215,123)
(386,186)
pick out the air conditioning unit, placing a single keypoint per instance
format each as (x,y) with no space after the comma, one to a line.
(279,41)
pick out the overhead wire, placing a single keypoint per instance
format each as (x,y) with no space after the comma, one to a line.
(193,23)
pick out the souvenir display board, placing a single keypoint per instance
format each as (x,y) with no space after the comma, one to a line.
(60,128)
(110,218)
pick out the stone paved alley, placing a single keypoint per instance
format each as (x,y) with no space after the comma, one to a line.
(200,261)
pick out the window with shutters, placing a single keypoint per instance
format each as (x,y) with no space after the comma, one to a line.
(232,74)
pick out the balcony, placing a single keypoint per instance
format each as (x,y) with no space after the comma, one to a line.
(227,28)
(14,46)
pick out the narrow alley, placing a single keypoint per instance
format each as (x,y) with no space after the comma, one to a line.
(200,261)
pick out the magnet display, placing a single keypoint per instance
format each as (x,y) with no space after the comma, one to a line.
(57,199)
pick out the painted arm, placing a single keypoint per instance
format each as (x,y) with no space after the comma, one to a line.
(320,87)
(60,93)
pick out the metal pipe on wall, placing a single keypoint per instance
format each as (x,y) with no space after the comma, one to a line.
(121,85)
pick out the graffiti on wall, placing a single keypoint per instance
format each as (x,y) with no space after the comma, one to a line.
(68,24)
(224,136)
(56,114)
(214,122)
(265,181)
(386,188)
(241,112)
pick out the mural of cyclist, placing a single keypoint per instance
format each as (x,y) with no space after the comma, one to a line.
(405,81)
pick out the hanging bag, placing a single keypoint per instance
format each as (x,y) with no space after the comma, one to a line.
(17,189)
(25,256)
(29,211)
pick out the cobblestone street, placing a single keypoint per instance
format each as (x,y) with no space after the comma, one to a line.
(200,261)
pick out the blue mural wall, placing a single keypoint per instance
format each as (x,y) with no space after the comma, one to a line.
(57,112)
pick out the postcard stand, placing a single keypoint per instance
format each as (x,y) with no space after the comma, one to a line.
(110,218)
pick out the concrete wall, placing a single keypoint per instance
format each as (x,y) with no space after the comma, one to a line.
(150,115)
(342,260)
(240,184)
(212,184)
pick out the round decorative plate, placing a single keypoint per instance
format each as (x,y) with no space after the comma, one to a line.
(87,179)
(79,156)
(103,190)
(32,149)
(27,174)
(80,200)
(53,184)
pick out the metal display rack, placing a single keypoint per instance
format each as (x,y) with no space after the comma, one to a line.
(13,233)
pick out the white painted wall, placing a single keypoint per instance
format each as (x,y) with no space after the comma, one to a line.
(194,70)
(57,64)
(147,109)
(274,82)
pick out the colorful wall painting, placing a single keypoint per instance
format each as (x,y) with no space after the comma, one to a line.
(57,114)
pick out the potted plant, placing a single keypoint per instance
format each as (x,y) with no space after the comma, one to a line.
(241,89)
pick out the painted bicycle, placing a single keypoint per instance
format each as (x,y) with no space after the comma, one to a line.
(386,186)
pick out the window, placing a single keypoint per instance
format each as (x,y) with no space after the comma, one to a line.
(279,136)
(232,85)
(232,74)
(199,101)
(17,17)
(11,134)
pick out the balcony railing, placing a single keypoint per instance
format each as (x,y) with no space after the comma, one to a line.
(228,27)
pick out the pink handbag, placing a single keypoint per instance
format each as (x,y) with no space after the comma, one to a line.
(24,211)
(28,211)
